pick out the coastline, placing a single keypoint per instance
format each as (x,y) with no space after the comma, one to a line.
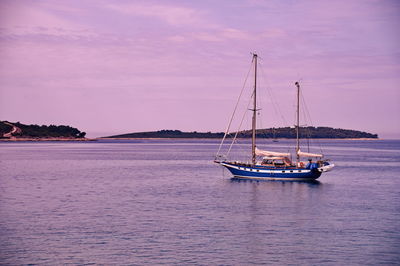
(237,138)
(46,139)
(96,139)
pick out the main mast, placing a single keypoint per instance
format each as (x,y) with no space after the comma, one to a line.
(253,139)
(298,123)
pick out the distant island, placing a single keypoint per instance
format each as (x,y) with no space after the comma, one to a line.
(282,132)
(19,131)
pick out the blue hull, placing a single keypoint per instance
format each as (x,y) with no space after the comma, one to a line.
(260,172)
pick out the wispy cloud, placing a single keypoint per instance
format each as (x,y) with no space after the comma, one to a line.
(220,35)
(173,15)
(231,33)
(19,20)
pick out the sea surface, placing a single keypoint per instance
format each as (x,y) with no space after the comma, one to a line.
(164,202)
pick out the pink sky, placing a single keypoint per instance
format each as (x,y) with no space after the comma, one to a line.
(110,67)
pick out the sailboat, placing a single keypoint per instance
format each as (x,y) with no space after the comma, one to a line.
(270,165)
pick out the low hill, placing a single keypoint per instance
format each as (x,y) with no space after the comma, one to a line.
(169,134)
(18,130)
(284,132)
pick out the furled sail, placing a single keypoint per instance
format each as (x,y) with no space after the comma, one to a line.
(271,153)
(307,154)
(274,157)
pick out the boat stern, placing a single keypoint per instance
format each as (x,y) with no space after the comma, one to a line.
(326,168)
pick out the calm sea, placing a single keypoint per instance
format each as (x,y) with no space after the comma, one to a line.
(165,202)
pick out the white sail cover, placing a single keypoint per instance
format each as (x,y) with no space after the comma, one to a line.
(271,153)
(307,154)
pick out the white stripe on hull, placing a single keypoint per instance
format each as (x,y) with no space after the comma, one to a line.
(274,178)
(256,170)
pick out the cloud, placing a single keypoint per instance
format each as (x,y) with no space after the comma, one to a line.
(224,34)
(231,33)
(173,15)
(22,20)
(177,38)
(206,36)
(273,33)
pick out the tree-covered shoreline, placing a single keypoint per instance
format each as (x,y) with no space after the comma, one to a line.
(38,131)
(62,131)
(284,132)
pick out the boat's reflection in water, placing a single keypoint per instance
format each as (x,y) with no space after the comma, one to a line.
(276,214)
